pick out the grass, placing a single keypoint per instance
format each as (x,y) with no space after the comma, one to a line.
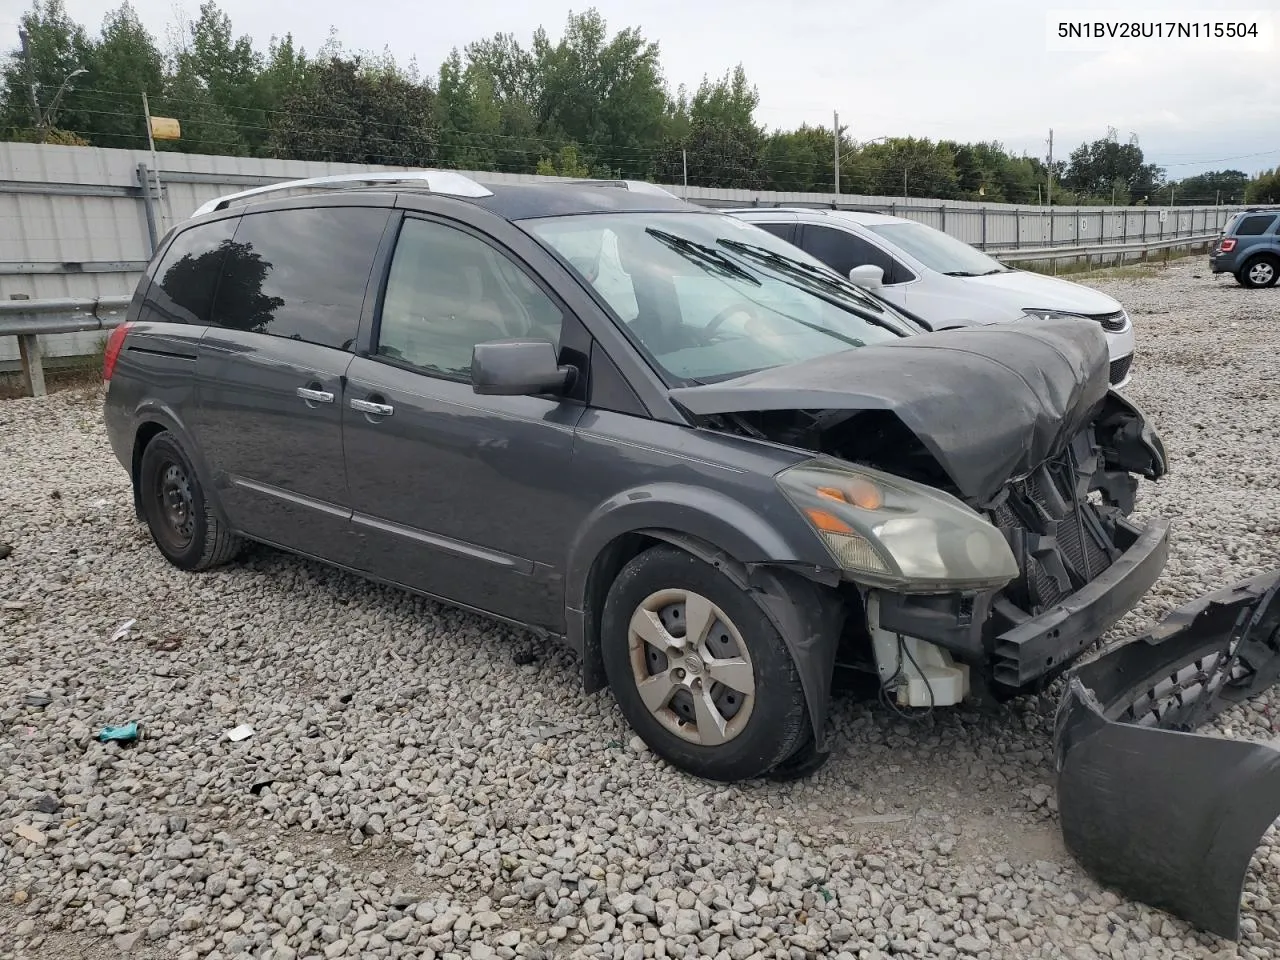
(60,373)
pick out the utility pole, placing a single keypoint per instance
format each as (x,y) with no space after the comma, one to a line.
(835,126)
(1048,187)
(24,38)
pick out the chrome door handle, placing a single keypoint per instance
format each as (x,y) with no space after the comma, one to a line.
(375,409)
(315,396)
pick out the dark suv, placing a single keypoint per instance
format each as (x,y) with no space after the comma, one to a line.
(1249,248)
(708,463)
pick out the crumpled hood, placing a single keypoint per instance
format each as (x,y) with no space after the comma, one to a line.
(990,403)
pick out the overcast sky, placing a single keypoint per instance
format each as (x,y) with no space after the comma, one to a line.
(960,69)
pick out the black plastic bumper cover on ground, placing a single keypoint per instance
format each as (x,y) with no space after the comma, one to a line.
(1160,814)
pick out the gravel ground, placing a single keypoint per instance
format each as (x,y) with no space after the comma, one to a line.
(402,794)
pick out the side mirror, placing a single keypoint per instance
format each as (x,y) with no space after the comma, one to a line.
(868,275)
(513,368)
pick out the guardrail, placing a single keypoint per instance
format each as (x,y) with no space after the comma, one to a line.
(28,319)
(1097,249)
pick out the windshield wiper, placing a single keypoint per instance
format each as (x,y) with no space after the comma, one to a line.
(702,253)
(800,268)
(961,273)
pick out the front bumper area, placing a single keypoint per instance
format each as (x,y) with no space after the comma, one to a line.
(1150,809)
(1034,647)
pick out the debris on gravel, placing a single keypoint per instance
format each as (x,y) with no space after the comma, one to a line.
(401,796)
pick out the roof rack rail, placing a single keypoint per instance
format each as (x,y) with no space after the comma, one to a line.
(437,181)
(635,186)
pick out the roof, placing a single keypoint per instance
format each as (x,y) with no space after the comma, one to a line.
(523,201)
(517,201)
(817,213)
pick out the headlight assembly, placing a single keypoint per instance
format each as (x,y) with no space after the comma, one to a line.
(890,532)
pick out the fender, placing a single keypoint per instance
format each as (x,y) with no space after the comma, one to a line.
(783,570)
(154,411)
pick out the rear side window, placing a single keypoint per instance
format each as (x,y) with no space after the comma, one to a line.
(843,251)
(186,278)
(1254,226)
(300,274)
(780,229)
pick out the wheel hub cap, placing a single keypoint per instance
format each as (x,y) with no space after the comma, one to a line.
(691,667)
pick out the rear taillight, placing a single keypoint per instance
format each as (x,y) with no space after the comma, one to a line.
(1228,245)
(112,353)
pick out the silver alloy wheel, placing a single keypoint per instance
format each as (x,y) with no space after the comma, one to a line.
(1261,273)
(691,667)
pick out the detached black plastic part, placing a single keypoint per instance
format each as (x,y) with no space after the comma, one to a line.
(1158,813)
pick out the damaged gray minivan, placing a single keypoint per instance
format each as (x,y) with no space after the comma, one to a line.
(710,464)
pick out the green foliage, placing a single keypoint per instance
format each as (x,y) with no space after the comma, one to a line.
(590,102)
(348,112)
(566,163)
(1264,189)
(1096,168)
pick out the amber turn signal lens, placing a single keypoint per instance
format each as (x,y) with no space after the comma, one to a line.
(858,492)
(827,522)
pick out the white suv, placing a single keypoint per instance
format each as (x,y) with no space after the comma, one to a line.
(940,279)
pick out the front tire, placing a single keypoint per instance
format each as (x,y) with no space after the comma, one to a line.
(182,522)
(1260,271)
(699,670)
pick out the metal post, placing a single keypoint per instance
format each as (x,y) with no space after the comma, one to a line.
(984,228)
(835,129)
(24,39)
(684,166)
(1048,184)
(942,216)
(155,160)
(144,181)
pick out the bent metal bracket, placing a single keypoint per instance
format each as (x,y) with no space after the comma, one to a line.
(1149,808)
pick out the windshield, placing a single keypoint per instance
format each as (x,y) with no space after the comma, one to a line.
(709,297)
(937,250)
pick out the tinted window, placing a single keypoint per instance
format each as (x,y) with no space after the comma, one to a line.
(300,273)
(782,230)
(1254,226)
(184,282)
(449,291)
(843,251)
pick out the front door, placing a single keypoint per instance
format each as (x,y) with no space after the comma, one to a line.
(270,371)
(455,494)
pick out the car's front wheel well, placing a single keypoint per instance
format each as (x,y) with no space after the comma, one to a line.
(608,563)
(147,432)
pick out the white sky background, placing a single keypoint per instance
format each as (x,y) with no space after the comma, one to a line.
(961,69)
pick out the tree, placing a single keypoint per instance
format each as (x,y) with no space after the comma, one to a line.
(803,160)
(57,47)
(122,64)
(225,70)
(469,116)
(718,155)
(1226,186)
(347,113)
(566,163)
(1095,168)
(605,94)
(1265,188)
(908,167)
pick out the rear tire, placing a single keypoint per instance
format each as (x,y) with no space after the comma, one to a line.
(182,522)
(726,706)
(1260,271)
